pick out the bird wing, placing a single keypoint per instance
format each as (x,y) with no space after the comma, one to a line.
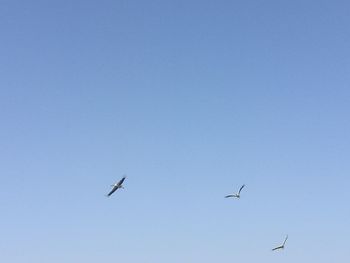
(240,189)
(121,181)
(279,247)
(113,190)
(285,240)
(229,196)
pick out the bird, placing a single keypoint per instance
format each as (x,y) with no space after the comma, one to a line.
(238,195)
(282,246)
(116,186)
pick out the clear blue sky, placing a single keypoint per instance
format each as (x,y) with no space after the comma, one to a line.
(190,99)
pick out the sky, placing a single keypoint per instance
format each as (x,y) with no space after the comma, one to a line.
(190,99)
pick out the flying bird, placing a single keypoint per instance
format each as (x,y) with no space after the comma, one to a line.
(282,246)
(116,186)
(238,195)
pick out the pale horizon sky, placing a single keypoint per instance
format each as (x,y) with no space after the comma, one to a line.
(189,99)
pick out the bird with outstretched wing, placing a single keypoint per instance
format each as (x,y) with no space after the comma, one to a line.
(238,195)
(116,186)
(281,246)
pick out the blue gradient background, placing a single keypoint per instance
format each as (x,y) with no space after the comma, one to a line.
(190,99)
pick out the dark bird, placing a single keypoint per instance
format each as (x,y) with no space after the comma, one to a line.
(282,246)
(238,195)
(116,186)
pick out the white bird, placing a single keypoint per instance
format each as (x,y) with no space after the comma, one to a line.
(281,246)
(238,195)
(116,186)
